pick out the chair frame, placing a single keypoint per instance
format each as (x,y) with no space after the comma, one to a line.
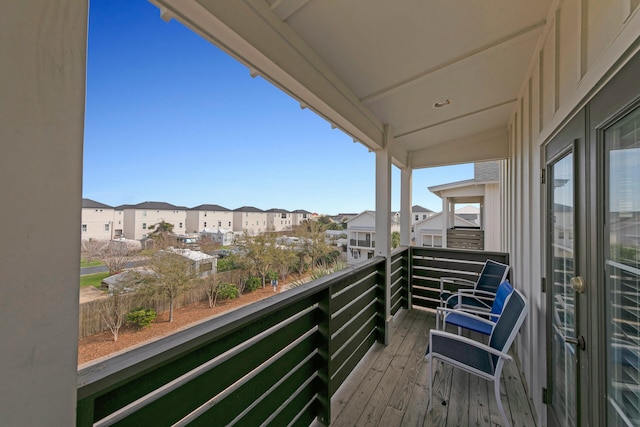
(484,297)
(488,317)
(500,353)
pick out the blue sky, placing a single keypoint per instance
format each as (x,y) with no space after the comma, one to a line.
(170,117)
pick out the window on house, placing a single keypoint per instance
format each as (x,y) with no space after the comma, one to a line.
(144,225)
(144,213)
(219,223)
(284,215)
(417,217)
(246,223)
(304,216)
(106,227)
(180,226)
(205,224)
(229,223)
(205,214)
(84,227)
(424,216)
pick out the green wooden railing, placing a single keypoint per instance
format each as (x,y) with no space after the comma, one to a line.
(275,362)
(428,265)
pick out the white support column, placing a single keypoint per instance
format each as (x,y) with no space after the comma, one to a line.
(445,220)
(383,218)
(406,186)
(43,46)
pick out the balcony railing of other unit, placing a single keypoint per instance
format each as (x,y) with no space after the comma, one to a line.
(277,361)
(362,243)
(465,238)
(428,265)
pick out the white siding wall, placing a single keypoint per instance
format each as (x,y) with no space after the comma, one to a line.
(582,42)
(491,218)
(43,51)
(96,220)
(198,220)
(252,222)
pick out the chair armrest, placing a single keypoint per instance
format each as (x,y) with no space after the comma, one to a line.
(465,341)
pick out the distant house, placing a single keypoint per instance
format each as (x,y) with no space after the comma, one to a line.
(209,217)
(361,235)
(202,263)
(420,213)
(249,219)
(483,190)
(222,236)
(299,216)
(140,219)
(429,232)
(470,213)
(97,220)
(279,220)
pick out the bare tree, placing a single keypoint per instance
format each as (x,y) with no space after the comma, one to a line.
(211,284)
(113,309)
(113,254)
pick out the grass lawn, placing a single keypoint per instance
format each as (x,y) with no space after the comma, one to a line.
(86,263)
(92,279)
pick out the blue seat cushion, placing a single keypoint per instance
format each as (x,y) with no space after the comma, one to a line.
(468,323)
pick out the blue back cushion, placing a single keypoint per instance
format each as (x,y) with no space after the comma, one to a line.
(504,290)
(491,276)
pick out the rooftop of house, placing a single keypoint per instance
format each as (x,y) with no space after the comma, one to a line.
(213,208)
(248,209)
(92,204)
(153,205)
(277,210)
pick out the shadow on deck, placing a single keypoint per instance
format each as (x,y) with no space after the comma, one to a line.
(390,386)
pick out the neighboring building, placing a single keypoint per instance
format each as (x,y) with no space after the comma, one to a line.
(138,218)
(209,217)
(483,190)
(249,219)
(279,220)
(299,216)
(223,236)
(361,234)
(97,220)
(202,263)
(419,213)
(429,232)
(470,213)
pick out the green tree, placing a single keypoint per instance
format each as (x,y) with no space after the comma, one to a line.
(172,275)
(395,239)
(259,254)
(285,257)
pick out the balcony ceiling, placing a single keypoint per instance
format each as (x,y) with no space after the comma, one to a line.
(365,64)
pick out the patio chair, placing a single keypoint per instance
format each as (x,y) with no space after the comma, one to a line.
(476,320)
(485,361)
(480,294)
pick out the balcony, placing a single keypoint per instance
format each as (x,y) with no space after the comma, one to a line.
(314,354)
(362,243)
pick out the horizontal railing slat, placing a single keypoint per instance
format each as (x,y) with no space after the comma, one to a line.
(428,265)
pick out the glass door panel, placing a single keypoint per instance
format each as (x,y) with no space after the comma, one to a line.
(622,266)
(562,269)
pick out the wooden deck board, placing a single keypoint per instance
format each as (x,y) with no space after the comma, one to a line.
(390,387)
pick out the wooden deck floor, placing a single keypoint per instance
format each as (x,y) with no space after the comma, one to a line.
(390,387)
